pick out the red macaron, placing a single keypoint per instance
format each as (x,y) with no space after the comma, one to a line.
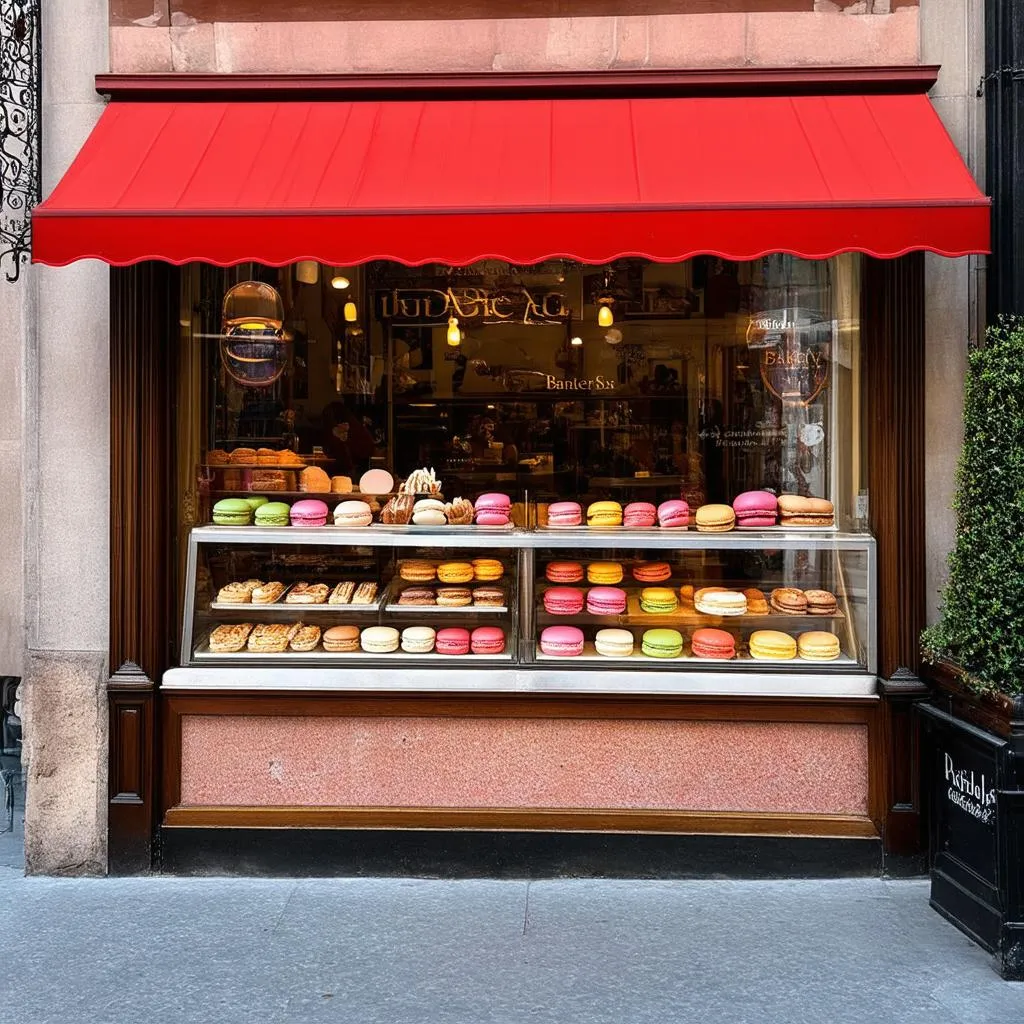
(713,643)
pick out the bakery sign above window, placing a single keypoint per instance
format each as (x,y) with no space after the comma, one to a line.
(512,305)
(795,352)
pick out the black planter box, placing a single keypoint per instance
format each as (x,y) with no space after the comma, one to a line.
(973,781)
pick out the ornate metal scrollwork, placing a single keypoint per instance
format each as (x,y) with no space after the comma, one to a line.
(19,130)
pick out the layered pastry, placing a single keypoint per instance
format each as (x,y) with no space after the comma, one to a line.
(366,593)
(305,639)
(342,593)
(459,512)
(269,480)
(341,485)
(314,480)
(308,593)
(243,457)
(238,593)
(230,638)
(421,481)
(398,510)
(268,593)
(272,637)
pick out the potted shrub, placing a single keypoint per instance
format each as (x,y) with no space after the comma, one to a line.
(973,724)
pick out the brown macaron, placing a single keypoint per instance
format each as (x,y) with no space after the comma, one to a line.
(341,639)
(418,595)
(489,597)
(788,601)
(454,597)
(820,602)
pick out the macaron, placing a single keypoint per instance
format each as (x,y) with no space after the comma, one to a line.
(255,500)
(658,600)
(487,640)
(417,570)
(721,602)
(417,639)
(820,602)
(341,639)
(232,512)
(602,513)
(562,641)
(673,514)
(788,601)
(489,597)
(606,601)
(429,512)
(563,600)
(453,640)
(454,597)
(756,509)
(604,572)
(662,643)
(274,513)
(309,512)
(565,513)
(376,481)
(614,643)
(493,509)
(352,513)
(652,572)
(818,645)
(715,518)
(796,510)
(713,643)
(639,514)
(564,572)
(486,570)
(771,645)
(379,639)
(455,572)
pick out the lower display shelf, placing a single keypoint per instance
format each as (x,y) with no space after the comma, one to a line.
(203,653)
(843,662)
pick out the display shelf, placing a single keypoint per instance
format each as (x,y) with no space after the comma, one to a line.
(320,656)
(298,609)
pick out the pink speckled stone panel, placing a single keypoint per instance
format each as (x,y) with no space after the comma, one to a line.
(529,763)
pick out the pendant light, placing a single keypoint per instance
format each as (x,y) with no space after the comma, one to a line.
(307,272)
(338,280)
(605,318)
(351,313)
(576,340)
(454,336)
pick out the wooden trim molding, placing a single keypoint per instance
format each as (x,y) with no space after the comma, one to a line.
(520,85)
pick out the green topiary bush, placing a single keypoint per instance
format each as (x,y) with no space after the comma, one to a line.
(981,627)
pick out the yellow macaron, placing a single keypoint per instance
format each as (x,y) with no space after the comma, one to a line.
(455,572)
(818,645)
(771,645)
(604,513)
(487,569)
(715,518)
(604,572)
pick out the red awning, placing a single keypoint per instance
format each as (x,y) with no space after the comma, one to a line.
(455,181)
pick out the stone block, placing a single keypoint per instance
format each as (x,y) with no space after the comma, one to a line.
(631,42)
(413,46)
(72,58)
(193,48)
(697,40)
(134,49)
(521,44)
(580,44)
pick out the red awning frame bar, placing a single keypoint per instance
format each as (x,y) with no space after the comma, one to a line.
(520,85)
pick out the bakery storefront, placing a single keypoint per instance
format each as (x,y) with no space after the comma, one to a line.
(517,475)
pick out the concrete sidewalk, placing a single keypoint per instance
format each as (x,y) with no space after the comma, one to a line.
(228,951)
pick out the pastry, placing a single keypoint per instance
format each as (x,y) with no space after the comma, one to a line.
(314,480)
(305,639)
(268,593)
(454,597)
(376,481)
(238,593)
(342,593)
(287,457)
(757,603)
(795,510)
(493,509)
(268,480)
(652,572)
(366,593)
(421,481)
(352,513)
(307,593)
(398,510)
(418,639)
(230,638)
(789,601)
(699,594)
(243,457)
(713,643)
(818,646)
(662,643)
(486,570)
(379,639)
(341,639)
(309,512)
(217,457)
(341,485)
(455,572)
(429,512)
(417,571)
(564,513)
(606,601)
(487,640)
(232,512)
(771,645)
(604,573)
(820,602)
(639,514)
(673,514)
(564,572)
(418,595)
(563,600)
(454,640)
(562,641)
(686,594)
(459,512)
(715,518)
(658,600)
(614,643)
(755,508)
(721,602)
(272,637)
(604,513)
(266,457)
(274,513)
(489,597)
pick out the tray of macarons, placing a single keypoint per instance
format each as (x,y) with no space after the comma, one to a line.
(611,515)
(474,586)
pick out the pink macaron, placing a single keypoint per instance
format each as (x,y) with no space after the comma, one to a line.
(756,508)
(606,601)
(310,512)
(562,641)
(453,640)
(639,513)
(674,513)
(564,572)
(487,640)
(563,600)
(493,509)
(565,513)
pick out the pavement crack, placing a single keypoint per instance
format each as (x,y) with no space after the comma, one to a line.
(284,909)
(526,908)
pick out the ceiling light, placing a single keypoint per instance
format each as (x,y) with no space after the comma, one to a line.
(339,281)
(351,313)
(576,340)
(604,315)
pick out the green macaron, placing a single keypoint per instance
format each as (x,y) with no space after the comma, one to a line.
(254,501)
(662,643)
(273,513)
(232,512)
